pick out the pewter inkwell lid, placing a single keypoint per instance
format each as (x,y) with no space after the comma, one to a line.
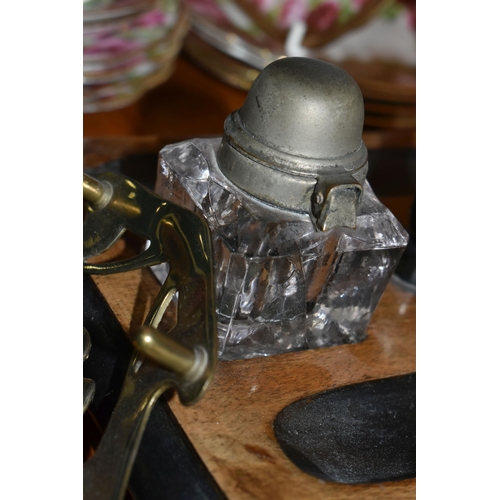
(296,143)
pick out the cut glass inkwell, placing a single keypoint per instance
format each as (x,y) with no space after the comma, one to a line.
(303,248)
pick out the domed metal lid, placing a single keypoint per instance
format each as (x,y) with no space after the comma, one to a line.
(296,143)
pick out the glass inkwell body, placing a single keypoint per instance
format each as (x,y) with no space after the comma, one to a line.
(303,248)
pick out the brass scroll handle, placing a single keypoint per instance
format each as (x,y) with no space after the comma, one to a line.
(183,358)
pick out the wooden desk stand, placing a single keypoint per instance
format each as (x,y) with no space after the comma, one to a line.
(231,427)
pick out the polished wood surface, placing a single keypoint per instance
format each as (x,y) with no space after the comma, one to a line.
(231,427)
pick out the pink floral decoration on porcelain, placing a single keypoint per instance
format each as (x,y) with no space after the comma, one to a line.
(320,15)
(152,18)
(323,16)
(208,8)
(113,45)
(266,5)
(292,11)
(411,13)
(359,3)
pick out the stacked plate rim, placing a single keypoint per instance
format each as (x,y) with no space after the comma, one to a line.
(129,47)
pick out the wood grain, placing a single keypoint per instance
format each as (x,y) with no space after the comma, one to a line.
(231,428)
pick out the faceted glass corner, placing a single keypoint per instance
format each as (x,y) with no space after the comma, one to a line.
(281,285)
